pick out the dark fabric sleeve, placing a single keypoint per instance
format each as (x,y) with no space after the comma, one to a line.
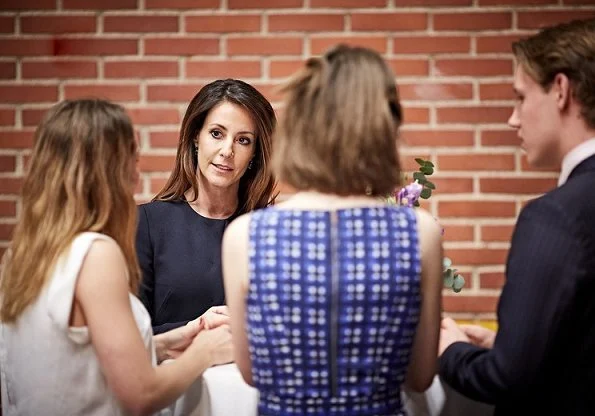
(144,252)
(159,329)
(542,268)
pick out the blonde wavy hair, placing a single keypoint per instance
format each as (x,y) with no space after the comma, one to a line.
(81,178)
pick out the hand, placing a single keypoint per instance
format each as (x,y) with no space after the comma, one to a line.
(479,336)
(214,317)
(450,333)
(172,343)
(216,342)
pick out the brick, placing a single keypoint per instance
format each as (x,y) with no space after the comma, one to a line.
(496,44)
(348,3)
(491,280)
(458,233)
(477,256)
(7,117)
(8,70)
(7,24)
(413,3)
(499,138)
(150,163)
(114,92)
(58,69)
(285,68)
(94,46)
(156,184)
(140,69)
(223,23)
(8,163)
(265,46)
(16,139)
(516,2)
(58,24)
(474,162)
(408,163)
(472,21)
(497,91)
(437,138)
(99,4)
(164,139)
(154,116)
(496,232)
(140,24)
(577,2)
(431,44)
(473,67)
(416,115)
(538,19)
(517,185)
(476,209)
(306,22)
(182,4)
(33,116)
(181,93)
(473,115)
(6,231)
(436,91)
(8,208)
(453,185)
(26,47)
(11,186)
(409,67)
(469,304)
(320,45)
(223,69)
(264,4)
(28,4)
(389,21)
(526,167)
(181,46)
(28,93)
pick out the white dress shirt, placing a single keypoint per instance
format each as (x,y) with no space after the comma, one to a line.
(574,158)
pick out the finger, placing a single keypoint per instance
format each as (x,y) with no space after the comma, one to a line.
(221,310)
(448,323)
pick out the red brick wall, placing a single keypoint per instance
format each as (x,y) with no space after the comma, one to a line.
(451,58)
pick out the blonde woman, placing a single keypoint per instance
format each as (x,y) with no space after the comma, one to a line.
(75,339)
(334,295)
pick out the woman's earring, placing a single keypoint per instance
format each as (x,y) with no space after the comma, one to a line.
(250,164)
(196,149)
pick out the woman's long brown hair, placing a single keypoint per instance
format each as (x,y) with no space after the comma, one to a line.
(80,179)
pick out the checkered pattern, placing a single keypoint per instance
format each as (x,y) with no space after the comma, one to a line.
(332,309)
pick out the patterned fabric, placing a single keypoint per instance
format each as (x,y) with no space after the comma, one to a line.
(332,309)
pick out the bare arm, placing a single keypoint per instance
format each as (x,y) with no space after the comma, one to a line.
(423,364)
(102,293)
(235,277)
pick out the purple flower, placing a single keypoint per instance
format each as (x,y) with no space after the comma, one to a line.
(409,194)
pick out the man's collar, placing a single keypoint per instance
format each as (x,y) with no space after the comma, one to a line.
(574,157)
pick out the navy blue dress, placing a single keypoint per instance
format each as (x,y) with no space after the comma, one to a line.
(332,309)
(179,252)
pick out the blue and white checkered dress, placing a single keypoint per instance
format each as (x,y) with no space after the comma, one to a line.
(332,308)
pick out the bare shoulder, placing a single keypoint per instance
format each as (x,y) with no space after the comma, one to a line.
(237,231)
(103,263)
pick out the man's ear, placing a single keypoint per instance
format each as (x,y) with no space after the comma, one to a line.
(561,89)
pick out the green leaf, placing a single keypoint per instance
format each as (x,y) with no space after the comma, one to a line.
(458,282)
(420,177)
(421,162)
(448,278)
(429,164)
(425,193)
(430,185)
(446,262)
(426,170)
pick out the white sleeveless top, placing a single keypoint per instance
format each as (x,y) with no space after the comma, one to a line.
(50,368)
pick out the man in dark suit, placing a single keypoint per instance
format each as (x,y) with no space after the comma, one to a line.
(541,361)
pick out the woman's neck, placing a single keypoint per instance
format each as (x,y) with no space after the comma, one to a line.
(214,203)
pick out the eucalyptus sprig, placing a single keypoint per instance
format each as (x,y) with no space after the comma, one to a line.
(409,195)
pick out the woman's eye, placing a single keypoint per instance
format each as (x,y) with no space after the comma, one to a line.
(216,134)
(244,140)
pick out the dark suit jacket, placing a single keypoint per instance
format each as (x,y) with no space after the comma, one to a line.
(543,358)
